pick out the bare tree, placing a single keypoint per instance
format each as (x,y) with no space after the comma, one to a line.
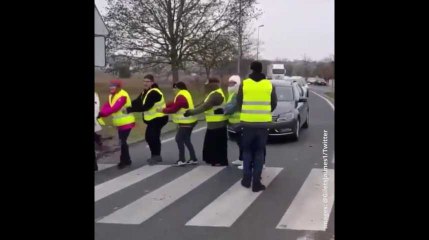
(306,61)
(166,30)
(243,12)
(215,51)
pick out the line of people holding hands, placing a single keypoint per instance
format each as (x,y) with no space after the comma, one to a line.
(247,110)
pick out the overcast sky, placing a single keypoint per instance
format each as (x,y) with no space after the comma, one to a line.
(291,29)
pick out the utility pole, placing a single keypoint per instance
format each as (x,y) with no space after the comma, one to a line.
(239,40)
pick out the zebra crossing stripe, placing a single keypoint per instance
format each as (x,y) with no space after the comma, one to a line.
(229,206)
(144,208)
(311,207)
(107,188)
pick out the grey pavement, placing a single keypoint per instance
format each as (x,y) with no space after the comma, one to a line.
(170,213)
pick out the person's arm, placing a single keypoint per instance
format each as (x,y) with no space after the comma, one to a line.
(136,104)
(106,110)
(273,99)
(152,98)
(177,105)
(214,100)
(240,98)
(231,107)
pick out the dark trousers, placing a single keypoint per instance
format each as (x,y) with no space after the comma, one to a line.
(183,137)
(240,146)
(253,142)
(215,150)
(125,154)
(153,135)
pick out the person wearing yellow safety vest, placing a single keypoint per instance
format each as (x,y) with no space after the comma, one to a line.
(119,100)
(182,102)
(148,102)
(233,115)
(215,149)
(256,99)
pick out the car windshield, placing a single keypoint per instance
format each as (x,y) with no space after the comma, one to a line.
(278,71)
(284,93)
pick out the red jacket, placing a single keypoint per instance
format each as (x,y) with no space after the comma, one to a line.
(106,111)
(173,107)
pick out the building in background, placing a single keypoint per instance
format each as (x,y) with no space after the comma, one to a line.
(100,34)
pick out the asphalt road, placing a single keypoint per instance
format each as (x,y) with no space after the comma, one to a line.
(204,202)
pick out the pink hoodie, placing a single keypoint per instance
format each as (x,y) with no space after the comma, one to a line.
(106,111)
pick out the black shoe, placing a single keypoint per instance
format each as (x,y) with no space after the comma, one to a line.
(122,165)
(245,182)
(155,159)
(258,187)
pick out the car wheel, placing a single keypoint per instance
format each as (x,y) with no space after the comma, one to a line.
(295,136)
(307,121)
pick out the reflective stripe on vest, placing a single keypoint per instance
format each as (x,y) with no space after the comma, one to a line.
(152,113)
(121,117)
(256,101)
(235,117)
(210,115)
(178,116)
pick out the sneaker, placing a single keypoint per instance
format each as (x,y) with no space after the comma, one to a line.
(192,161)
(240,167)
(180,163)
(158,158)
(258,187)
(237,162)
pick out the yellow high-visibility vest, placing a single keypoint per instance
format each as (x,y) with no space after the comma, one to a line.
(121,117)
(256,101)
(178,116)
(235,117)
(152,113)
(210,115)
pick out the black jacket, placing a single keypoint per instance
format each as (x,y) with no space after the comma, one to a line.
(138,106)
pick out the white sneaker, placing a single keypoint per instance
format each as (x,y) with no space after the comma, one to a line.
(237,162)
(241,167)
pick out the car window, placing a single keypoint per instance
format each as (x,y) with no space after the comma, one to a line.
(284,94)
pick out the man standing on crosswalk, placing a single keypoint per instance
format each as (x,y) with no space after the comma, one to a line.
(256,99)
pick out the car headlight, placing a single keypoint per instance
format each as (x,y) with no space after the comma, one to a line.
(285,117)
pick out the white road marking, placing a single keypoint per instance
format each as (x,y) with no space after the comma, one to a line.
(229,206)
(327,100)
(102,166)
(308,210)
(333,109)
(107,188)
(145,207)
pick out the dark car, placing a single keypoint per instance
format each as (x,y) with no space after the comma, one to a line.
(291,113)
(320,82)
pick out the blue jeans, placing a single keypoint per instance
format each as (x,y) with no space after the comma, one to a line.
(253,142)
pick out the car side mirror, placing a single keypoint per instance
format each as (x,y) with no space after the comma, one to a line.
(302,100)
